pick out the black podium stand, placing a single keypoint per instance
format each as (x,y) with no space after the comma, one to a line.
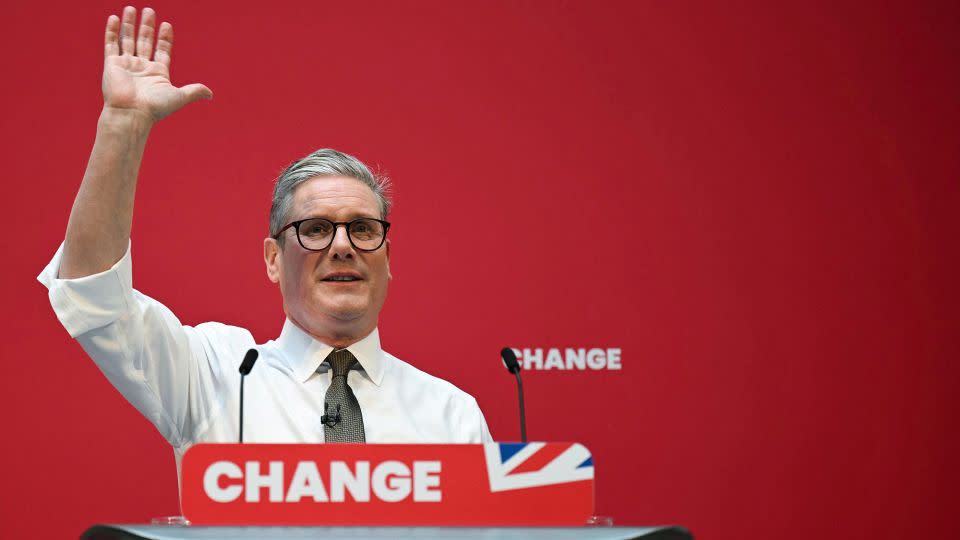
(162,532)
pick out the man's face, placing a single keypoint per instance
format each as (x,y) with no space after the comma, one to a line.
(333,311)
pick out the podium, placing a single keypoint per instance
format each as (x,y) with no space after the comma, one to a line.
(373,491)
(160,532)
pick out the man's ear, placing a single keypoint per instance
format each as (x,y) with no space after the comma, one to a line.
(388,260)
(271,256)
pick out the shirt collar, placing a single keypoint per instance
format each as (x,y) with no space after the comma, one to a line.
(305,354)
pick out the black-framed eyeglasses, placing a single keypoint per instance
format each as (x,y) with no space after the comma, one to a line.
(316,234)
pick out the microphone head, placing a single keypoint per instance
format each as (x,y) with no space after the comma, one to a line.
(510,360)
(248,361)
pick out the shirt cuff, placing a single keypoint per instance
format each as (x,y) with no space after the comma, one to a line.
(90,302)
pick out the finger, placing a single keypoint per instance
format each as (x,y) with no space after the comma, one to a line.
(111,47)
(164,44)
(126,30)
(145,35)
(193,92)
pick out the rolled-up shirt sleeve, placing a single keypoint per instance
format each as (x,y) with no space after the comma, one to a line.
(170,372)
(90,302)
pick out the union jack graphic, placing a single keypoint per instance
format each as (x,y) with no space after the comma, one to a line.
(526,465)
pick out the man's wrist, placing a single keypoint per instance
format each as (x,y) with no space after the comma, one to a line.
(127,121)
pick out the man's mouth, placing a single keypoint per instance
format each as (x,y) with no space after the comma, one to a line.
(341,278)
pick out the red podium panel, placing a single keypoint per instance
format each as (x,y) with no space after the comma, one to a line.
(388,484)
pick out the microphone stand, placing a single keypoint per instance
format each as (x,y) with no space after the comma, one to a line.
(523,416)
(243,377)
(245,366)
(513,366)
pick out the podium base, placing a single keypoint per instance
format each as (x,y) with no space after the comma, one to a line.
(159,532)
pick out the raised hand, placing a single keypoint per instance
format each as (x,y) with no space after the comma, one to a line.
(136,77)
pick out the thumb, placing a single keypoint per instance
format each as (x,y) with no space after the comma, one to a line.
(193,92)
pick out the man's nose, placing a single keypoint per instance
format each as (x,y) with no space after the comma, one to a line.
(341,248)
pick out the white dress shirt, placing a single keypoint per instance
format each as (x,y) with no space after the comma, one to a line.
(185,379)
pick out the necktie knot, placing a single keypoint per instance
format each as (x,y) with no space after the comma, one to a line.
(340,362)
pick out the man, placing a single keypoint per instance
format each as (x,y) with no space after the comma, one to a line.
(325,378)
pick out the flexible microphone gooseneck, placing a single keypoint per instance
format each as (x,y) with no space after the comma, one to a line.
(510,361)
(245,367)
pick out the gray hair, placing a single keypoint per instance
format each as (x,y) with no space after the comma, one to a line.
(324,162)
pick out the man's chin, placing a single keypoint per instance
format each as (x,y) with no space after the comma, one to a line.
(343,314)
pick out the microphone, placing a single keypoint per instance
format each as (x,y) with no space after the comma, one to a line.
(328,419)
(248,361)
(510,361)
(245,367)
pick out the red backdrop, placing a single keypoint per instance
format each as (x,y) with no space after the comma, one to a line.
(757,203)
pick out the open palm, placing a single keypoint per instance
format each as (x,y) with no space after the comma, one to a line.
(136,76)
